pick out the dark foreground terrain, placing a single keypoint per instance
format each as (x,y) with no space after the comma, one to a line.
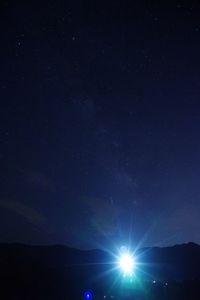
(58,272)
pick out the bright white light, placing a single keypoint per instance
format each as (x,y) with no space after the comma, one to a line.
(127,263)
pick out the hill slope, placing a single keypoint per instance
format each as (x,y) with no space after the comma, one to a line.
(55,272)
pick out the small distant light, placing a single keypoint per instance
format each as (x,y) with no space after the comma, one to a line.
(154,281)
(166,283)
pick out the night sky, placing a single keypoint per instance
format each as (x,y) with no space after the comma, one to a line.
(100,122)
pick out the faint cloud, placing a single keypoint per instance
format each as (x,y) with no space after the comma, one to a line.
(29,213)
(123,178)
(183,218)
(38,179)
(85,107)
(35,178)
(103,215)
(180,225)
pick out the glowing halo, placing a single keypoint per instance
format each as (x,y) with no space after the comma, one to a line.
(126,263)
(87,295)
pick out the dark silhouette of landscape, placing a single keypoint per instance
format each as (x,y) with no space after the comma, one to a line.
(60,272)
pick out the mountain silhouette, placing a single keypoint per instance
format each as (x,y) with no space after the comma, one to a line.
(55,272)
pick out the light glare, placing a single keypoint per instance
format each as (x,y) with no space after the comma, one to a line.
(126,263)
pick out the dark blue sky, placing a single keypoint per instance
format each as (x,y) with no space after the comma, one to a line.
(100,122)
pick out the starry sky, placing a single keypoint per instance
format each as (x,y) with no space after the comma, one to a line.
(100,122)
